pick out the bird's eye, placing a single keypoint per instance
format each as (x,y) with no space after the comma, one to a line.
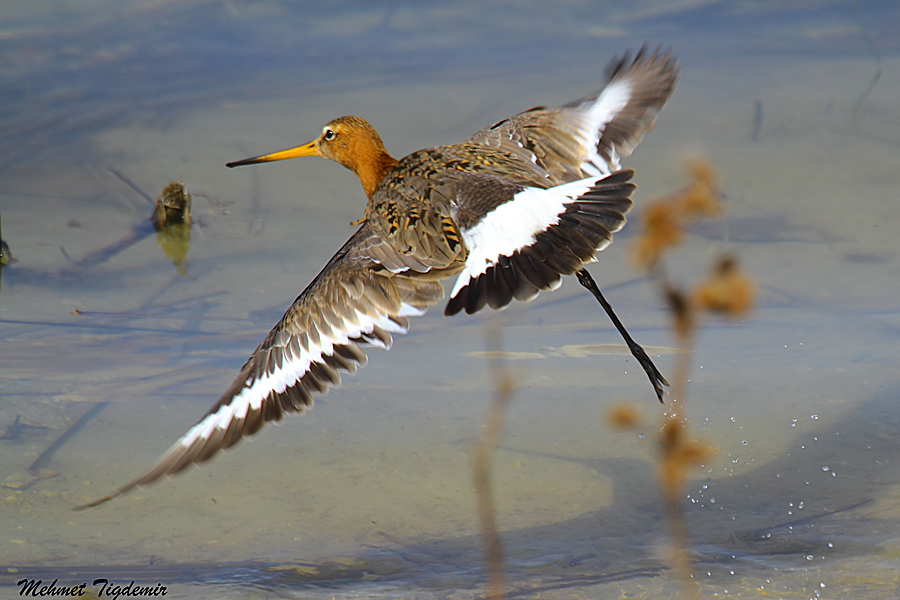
(329,134)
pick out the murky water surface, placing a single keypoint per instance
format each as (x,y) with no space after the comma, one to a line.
(370,495)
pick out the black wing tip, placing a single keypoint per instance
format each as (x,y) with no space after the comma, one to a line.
(659,67)
(619,176)
(624,62)
(93,504)
(104,499)
(455,304)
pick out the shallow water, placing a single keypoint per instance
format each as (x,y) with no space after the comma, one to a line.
(369,495)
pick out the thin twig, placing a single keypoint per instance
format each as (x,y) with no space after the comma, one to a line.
(503,389)
(673,463)
(876,75)
(67,435)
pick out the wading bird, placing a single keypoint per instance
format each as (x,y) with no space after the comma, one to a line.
(507,212)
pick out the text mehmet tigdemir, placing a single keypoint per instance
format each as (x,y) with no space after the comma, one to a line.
(104,588)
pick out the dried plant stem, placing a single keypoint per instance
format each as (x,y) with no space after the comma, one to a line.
(676,452)
(726,291)
(681,370)
(681,561)
(673,467)
(503,389)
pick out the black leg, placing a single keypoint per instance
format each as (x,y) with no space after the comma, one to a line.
(656,378)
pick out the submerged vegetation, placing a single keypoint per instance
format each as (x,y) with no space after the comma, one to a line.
(171,220)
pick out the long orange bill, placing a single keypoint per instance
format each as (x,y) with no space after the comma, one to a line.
(309,149)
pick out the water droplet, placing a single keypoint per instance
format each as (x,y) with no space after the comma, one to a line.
(814,417)
(826,469)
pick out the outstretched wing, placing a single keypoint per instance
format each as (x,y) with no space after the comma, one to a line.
(589,136)
(363,295)
(520,239)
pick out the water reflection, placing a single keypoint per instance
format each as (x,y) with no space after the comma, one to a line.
(800,514)
(370,493)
